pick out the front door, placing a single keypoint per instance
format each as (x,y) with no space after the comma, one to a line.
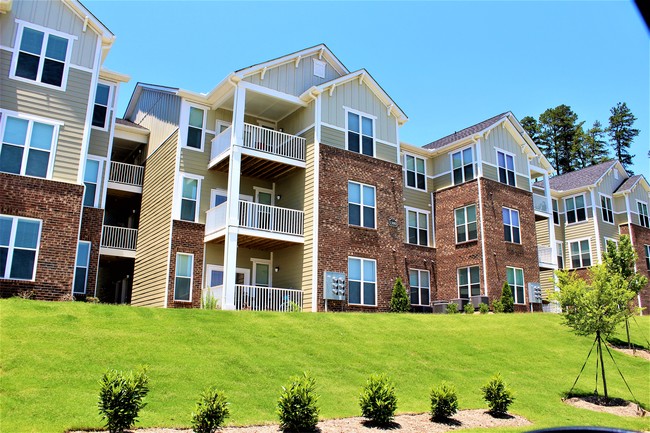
(264,197)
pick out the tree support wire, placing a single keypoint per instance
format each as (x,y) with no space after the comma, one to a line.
(583,366)
(622,377)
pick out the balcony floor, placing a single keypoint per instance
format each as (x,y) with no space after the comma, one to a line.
(257,167)
(257,243)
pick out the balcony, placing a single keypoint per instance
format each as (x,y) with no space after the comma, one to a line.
(540,205)
(267,298)
(545,257)
(118,241)
(126,177)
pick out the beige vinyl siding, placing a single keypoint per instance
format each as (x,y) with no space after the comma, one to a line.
(440,182)
(288,78)
(213,180)
(214,115)
(619,206)
(541,228)
(332,137)
(500,138)
(386,152)
(308,265)
(490,172)
(547,283)
(559,231)
(290,262)
(69,107)
(523,182)
(579,231)
(291,188)
(620,218)
(417,199)
(442,163)
(309,135)
(54,15)
(98,145)
(159,112)
(195,161)
(214,256)
(298,120)
(150,276)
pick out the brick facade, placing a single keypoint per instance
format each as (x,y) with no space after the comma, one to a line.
(58,205)
(187,237)
(640,238)
(91,230)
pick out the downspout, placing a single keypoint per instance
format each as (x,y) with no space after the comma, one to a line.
(479,161)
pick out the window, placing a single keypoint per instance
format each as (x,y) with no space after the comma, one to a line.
(511,225)
(362,281)
(418,224)
(219,196)
(466,224)
(419,283)
(462,166)
(506,164)
(643,214)
(100,110)
(360,134)
(415,172)
(469,282)
(580,254)
(189,198)
(575,209)
(19,241)
(361,205)
(91,181)
(560,255)
(515,277)
(195,128)
(556,212)
(183,280)
(606,209)
(27,147)
(42,57)
(81,268)
(647,257)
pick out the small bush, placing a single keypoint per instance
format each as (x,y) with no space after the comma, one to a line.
(444,401)
(294,307)
(497,306)
(469,308)
(209,302)
(92,300)
(297,405)
(507,299)
(399,300)
(210,412)
(452,308)
(483,308)
(120,398)
(378,400)
(497,395)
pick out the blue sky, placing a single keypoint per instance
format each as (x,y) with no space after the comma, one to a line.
(447,64)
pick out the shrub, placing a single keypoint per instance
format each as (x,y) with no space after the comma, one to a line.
(497,395)
(452,308)
(378,400)
(120,398)
(209,302)
(506,298)
(297,406)
(469,308)
(210,412)
(399,300)
(444,401)
(92,300)
(497,306)
(483,308)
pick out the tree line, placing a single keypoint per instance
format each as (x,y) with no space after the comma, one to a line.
(570,146)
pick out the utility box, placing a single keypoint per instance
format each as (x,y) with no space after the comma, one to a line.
(334,285)
(534,293)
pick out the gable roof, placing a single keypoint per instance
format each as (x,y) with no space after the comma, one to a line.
(631,182)
(580,178)
(467,132)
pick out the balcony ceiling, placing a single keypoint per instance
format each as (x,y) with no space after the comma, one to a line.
(260,244)
(258,167)
(263,106)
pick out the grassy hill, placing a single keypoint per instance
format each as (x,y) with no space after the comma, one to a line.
(53,354)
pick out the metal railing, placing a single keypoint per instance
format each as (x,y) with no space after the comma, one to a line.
(259,217)
(267,298)
(539,203)
(127,174)
(274,142)
(545,255)
(120,238)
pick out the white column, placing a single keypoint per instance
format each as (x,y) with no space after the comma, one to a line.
(551,226)
(594,211)
(232,205)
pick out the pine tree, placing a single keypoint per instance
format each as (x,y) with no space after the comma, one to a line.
(622,134)
(557,135)
(399,300)
(531,127)
(595,144)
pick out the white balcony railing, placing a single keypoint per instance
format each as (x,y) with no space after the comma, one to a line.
(215,218)
(221,143)
(259,217)
(545,256)
(119,238)
(539,203)
(267,298)
(127,174)
(262,140)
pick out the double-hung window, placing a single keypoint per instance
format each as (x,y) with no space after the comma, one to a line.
(580,252)
(647,257)
(190,192)
(515,278)
(100,109)
(42,56)
(27,147)
(418,227)
(195,128)
(92,176)
(469,283)
(19,242)
(506,163)
(643,214)
(462,165)
(415,172)
(466,224)
(556,212)
(560,254)
(511,225)
(575,209)
(81,268)
(361,205)
(606,209)
(420,287)
(362,281)
(183,277)
(361,134)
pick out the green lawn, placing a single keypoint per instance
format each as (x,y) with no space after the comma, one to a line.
(53,354)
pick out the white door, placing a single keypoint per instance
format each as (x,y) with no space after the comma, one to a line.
(264,217)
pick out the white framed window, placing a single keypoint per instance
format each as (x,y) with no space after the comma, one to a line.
(361,205)
(556,212)
(506,165)
(218,196)
(419,282)
(469,282)
(41,56)
(362,281)
(92,176)
(560,254)
(607,243)
(575,209)
(221,126)
(417,227)
(416,176)
(511,225)
(462,165)
(19,244)
(81,268)
(360,133)
(580,252)
(183,277)
(101,108)
(190,193)
(647,256)
(606,208)
(466,224)
(319,68)
(515,278)
(195,128)
(643,214)
(27,146)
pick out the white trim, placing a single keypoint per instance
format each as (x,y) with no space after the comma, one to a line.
(191,276)
(81,68)
(11,247)
(523,277)
(316,214)
(433,220)
(269,263)
(463,164)
(361,205)
(184,124)
(647,214)
(85,140)
(33,117)
(510,211)
(609,239)
(469,280)
(179,201)
(111,137)
(405,170)
(100,178)
(386,143)
(338,128)
(465,224)
(611,209)
(217,126)
(87,267)
(267,124)
(482,225)
(514,165)
(362,280)
(419,286)
(561,245)
(361,114)
(417,211)
(572,241)
(302,131)
(559,214)
(109,106)
(575,209)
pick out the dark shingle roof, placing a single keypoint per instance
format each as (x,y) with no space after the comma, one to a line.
(128,123)
(465,132)
(629,183)
(580,178)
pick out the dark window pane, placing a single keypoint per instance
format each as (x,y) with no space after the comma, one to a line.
(421,181)
(458,176)
(89,195)
(410,178)
(413,236)
(515,235)
(27,66)
(32,41)
(506,234)
(511,178)
(575,261)
(414,295)
(502,175)
(80,280)
(354,214)
(476,289)
(101,96)
(520,295)
(354,288)
(423,237)
(37,163)
(570,217)
(581,214)
(99,116)
(353,142)
(4,252)
(425,297)
(472,233)
(462,291)
(52,72)
(369,217)
(369,293)
(56,48)
(367,146)
(469,172)
(11,158)
(194,137)
(188,207)
(182,289)
(460,234)
(22,265)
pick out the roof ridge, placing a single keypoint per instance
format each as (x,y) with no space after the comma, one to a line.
(457,135)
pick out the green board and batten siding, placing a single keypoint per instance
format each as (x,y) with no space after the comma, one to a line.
(152,252)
